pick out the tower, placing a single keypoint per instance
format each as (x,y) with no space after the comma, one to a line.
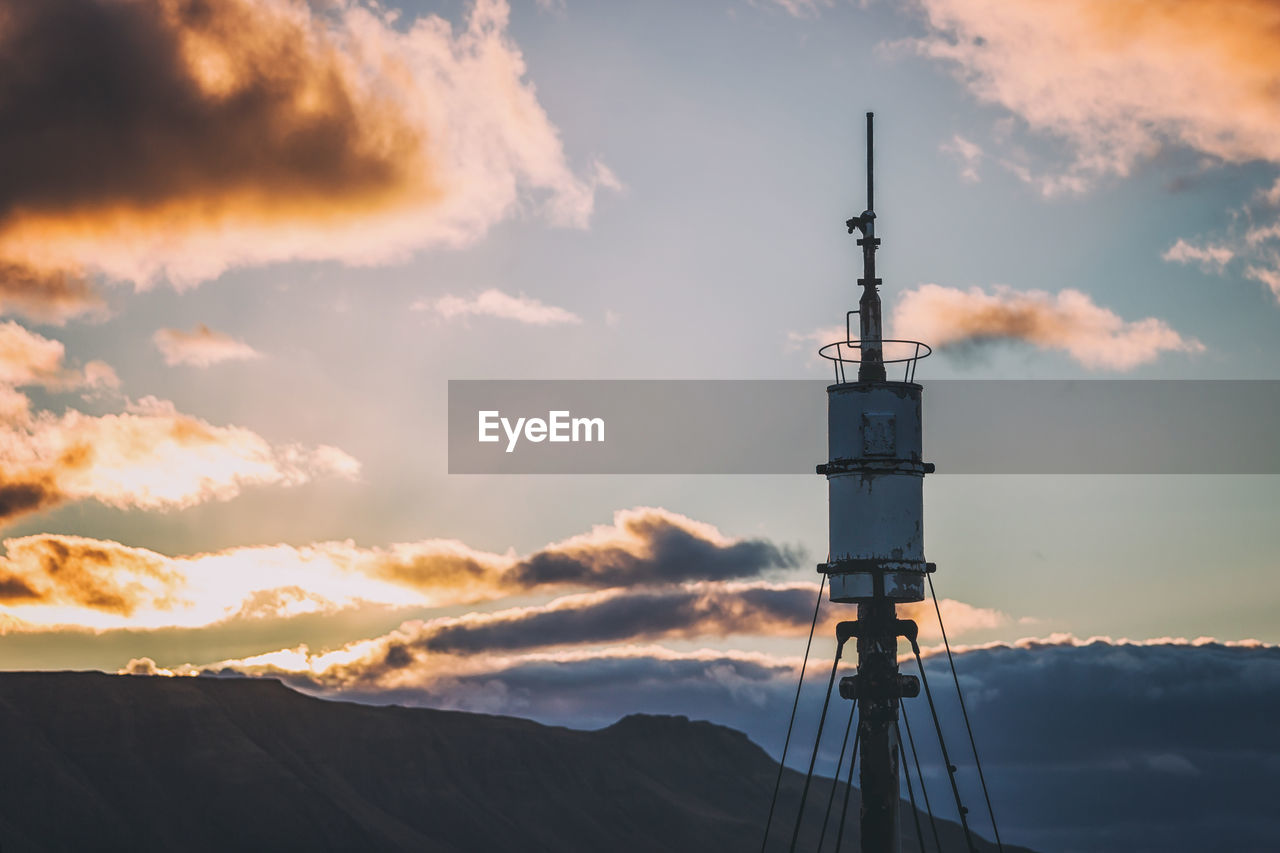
(875,474)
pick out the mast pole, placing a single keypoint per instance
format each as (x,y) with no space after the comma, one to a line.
(871,368)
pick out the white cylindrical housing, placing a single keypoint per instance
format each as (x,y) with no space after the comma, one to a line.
(875,477)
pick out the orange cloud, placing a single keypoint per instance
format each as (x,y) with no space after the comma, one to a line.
(645,548)
(149,456)
(27,358)
(578,628)
(50,296)
(1070,321)
(71,570)
(1119,80)
(253,131)
(201,347)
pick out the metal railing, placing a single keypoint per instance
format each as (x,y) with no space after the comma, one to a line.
(849,351)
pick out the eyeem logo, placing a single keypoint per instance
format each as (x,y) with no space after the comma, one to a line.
(560,426)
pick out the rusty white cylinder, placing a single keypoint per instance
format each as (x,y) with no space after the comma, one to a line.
(875,476)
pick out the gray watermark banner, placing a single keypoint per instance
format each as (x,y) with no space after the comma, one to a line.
(780,426)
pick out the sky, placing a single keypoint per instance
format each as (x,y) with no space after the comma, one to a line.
(245,245)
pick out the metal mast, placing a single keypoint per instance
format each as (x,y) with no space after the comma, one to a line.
(875,477)
(871,368)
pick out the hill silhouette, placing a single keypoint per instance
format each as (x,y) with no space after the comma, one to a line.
(103,762)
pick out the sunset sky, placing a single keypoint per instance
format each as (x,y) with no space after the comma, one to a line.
(245,244)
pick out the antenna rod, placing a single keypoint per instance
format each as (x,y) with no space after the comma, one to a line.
(871,344)
(871,159)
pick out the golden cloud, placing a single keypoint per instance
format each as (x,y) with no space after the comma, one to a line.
(579,628)
(149,456)
(177,138)
(644,548)
(201,347)
(1119,80)
(82,573)
(1069,321)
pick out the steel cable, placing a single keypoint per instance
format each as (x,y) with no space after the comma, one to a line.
(924,792)
(848,786)
(817,741)
(942,743)
(835,780)
(965,713)
(786,744)
(911,793)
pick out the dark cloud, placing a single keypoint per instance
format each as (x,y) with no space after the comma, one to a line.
(1105,747)
(622,615)
(66,570)
(138,104)
(674,553)
(152,139)
(28,489)
(46,296)
(1118,747)
(35,492)
(644,547)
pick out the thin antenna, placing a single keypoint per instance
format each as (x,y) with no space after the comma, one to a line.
(871,159)
(871,333)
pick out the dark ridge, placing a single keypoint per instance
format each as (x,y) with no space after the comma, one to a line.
(103,763)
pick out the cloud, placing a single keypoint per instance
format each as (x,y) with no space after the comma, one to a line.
(495,303)
(1129,738)
(143,666)
(149,457)
(1119,81)
(968,153)
(799,8)
(50,296)
(651,546)
(201,347)
(644,547)
(1268,275)
(438,650)
(688,611)
(1210,257)
(29,359)
(254,131)
(71,570)
(1087,744)
(1094,336)
(147,590)
(1252,240)
(433,655)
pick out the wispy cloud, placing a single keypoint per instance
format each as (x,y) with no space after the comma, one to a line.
(253,131)
(148,456)
(797,8)
(504,306)
(1070,321)
(1251,243)
(968,153)
(47,296)
(201,347)
(1210,257)
(1268,275)
(1120,80)
(29,359)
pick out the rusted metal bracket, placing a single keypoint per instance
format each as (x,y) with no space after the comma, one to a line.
(905,686)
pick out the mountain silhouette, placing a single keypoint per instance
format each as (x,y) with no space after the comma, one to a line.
(140,763)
